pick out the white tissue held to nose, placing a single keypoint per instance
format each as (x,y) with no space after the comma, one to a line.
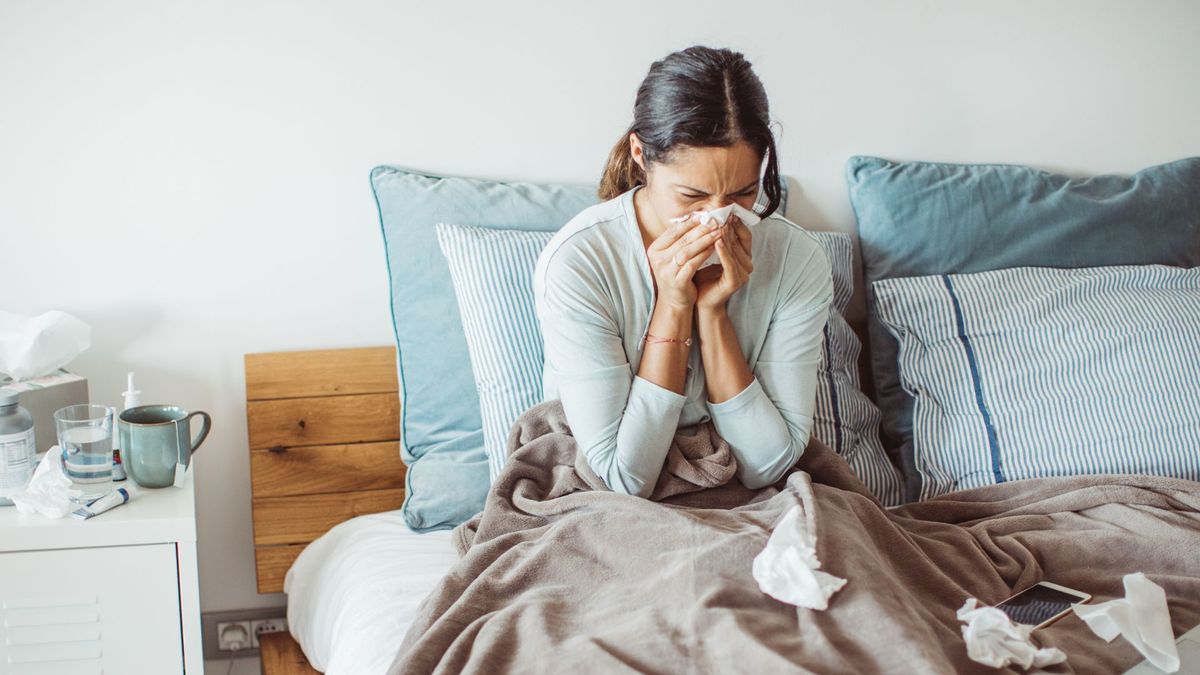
(788,569)
(721,216)
(1142,617)
(994,640)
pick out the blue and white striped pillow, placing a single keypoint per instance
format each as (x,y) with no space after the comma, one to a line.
(844,418)
(1032,371)
(492,272)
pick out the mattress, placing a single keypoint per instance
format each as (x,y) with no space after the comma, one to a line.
(353,592)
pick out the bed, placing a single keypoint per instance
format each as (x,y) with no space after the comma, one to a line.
(368,594)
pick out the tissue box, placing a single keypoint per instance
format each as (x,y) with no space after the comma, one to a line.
(44,395)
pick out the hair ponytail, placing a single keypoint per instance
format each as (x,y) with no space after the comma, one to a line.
(621,173)
(696,97)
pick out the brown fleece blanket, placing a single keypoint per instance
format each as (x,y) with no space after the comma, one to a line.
(559,574)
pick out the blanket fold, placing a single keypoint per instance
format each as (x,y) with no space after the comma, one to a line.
(558,573)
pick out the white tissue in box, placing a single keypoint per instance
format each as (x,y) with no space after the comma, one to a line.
(31,346)
(720,215)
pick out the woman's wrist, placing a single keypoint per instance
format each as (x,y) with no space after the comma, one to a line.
(677,306)
(710,314)
(672,321)
(673,309)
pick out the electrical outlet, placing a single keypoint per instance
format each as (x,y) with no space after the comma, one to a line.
(260,626)
(231,632)
(210,620)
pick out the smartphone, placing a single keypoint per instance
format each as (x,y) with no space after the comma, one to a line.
(1041,604)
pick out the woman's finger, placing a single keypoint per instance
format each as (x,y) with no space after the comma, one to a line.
(739,251)
(672,234)
(745,236)
(690,265)
(729,258)
(696,241)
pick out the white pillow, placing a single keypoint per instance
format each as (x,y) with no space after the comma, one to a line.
(1034,371)
(492,272)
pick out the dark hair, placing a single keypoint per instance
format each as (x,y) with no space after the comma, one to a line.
(696,97)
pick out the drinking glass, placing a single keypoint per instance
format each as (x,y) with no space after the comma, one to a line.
(85,434)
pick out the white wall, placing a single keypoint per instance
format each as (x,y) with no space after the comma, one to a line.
(191,177)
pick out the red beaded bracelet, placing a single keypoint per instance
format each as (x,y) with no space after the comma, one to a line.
(655,338)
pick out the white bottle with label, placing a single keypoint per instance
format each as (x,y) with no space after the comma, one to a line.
(18,452)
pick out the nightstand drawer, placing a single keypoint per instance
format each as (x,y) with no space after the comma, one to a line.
(90,610)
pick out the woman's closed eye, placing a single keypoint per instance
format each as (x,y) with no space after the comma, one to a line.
(697,197)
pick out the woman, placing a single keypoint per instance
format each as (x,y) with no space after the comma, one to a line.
(639,341)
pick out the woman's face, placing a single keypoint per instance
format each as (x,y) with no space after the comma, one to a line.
(700,179)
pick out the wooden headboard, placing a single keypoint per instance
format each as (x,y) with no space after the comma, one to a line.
(324,430)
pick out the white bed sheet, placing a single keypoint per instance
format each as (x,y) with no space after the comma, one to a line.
(353,592)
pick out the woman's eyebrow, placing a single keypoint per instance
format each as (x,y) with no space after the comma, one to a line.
(747,187)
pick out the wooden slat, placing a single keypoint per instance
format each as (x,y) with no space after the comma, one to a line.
(326,468)
(281,655)
(330,420)
(325,372)
(298,520)
(323,429)
(271,564)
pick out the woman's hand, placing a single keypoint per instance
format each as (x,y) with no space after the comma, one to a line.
(676,255)
(716,283)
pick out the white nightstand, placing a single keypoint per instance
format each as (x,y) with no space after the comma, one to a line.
(118,593)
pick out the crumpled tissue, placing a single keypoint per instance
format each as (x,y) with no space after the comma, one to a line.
(787,569)
(49,491)
(994,640)
(1141,617)
(720,215)
(32,346)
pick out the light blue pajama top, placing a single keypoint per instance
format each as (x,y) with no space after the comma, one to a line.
(594,297)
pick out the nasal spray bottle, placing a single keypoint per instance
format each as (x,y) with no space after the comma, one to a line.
(131,399)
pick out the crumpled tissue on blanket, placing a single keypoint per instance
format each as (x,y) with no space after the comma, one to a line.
(720,215)
(1141,617)
(787,568)
(994,640)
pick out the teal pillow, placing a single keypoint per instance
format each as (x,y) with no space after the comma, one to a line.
(441,431)
(922,218)
(441,428)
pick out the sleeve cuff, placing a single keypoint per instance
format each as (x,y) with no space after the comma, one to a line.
(757,434)
(740,400)
(644,389)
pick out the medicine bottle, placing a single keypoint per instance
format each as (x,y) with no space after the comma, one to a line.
(18,452)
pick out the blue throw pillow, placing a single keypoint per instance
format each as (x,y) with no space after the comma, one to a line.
(441,431)
(920,218)
(441,426)
(1033,372)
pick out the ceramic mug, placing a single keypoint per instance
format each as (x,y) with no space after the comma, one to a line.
(154,438)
